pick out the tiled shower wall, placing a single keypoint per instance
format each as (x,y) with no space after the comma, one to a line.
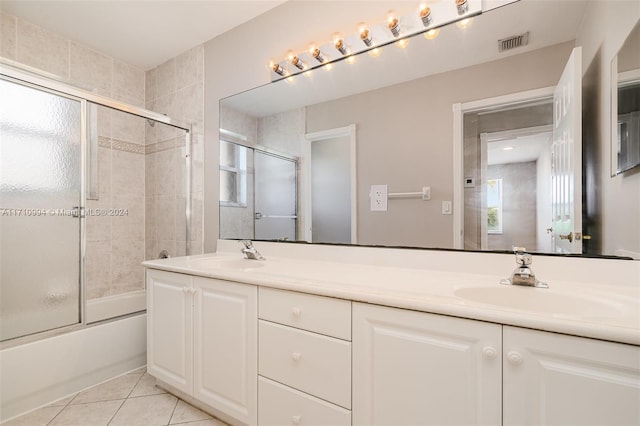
(140,169)
(174,88)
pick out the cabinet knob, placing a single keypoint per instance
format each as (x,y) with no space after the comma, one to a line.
(296,356)
(489,352)
(296,312)
(514,358)
(296,420)
(193,290)
(185,289)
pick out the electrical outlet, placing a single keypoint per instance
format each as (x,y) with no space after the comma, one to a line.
(378,197)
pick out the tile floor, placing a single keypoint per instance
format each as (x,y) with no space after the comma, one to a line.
(129,400)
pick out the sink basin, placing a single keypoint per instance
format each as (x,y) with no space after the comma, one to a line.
(226,263)
(541,300)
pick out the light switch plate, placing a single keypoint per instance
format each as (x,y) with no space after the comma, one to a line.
(378,197)
(446,207)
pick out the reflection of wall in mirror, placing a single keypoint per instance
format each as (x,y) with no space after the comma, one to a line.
(404,134)
(628,125)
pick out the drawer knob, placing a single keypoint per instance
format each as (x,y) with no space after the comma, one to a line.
(489,352)
(514,358)
(296,356)
(296,420)
(296,312)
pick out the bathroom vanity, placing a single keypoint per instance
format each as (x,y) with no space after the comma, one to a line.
(371,336)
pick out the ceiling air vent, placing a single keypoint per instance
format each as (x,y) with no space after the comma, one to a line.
(513,42)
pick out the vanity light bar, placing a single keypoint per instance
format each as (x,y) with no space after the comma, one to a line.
(427,17)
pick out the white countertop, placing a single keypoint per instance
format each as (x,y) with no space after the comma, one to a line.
(583,309)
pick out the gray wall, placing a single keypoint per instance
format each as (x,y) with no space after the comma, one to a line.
(518,206)
(404,135)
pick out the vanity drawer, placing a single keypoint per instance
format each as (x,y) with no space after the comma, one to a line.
(309,362)
(281,405)
(324,315)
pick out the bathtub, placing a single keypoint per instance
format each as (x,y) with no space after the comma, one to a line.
(37,373)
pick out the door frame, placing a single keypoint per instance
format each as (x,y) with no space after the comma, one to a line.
(306,219)
(459,110)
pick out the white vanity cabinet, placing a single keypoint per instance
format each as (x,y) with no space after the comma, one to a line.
(553,379)
(202,341)
(304,359)
(414,368)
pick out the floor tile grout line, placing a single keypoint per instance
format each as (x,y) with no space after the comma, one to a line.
(136,385)
(116,413)
(57,414)
(173,411)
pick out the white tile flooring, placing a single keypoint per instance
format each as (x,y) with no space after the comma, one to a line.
(129,400)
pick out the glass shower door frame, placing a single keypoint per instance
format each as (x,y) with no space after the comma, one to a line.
(34,78)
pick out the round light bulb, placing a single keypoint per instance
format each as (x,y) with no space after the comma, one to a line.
(402,43)
(351,59)
(464,24)
(374,53)
(328,67)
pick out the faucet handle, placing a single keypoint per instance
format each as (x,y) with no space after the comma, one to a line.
(248,244)
(522,257)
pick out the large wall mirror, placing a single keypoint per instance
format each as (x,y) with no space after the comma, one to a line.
(365,152)
(625,71)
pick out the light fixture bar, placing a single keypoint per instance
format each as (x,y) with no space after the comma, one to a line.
(426,17)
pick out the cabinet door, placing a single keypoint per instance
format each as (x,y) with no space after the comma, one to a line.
(414,368)
(552,379)
(169,333)
(225,347)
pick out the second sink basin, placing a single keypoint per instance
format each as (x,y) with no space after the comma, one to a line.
(541,300)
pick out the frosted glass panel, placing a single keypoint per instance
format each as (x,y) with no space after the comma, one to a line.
(40,178)
(275,198)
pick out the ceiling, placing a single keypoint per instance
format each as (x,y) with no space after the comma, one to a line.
(144,33)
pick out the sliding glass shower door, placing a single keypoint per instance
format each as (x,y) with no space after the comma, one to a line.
(40,193)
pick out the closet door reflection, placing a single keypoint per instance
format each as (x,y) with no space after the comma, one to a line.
(40,191)
(275,197)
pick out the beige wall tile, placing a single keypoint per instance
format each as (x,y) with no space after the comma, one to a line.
(104,172)
(128,127)
(151,249)
(169,245)
(126,272)
(165,105)
(90,69)
(150,84)
(190,67)
(181,218)
(128,83)
(98,264)
(98,225)
(42,49)
(151,218)
(127,173)
(130,226)
(102,117)
(150,173)
(8,31)
(166,219)
(166,78)
(190,107)
(166,172)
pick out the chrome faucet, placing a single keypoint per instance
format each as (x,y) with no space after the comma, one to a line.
(523,275)
(250,251)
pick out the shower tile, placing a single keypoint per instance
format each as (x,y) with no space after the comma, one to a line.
(150,217)
(127,127)
(166,176)
(166,218)
(146,411)
(150,132)
(126,272)
(129,226)
(115,389)
(103,119)
(128,83)
(39,417)
(196,247)
(166,105)
(104,171)
(184,413)
(190,106)
(98,272)
(150,84)
(146,387)
(150,170)
(151,249)
(43,49)
(181,169)
(94,414)
(90,69)
(190,67)
(127,174)
(8,30)
(166,78)
(98,225)
(196,219)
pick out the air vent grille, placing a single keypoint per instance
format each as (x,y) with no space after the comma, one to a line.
(513,42)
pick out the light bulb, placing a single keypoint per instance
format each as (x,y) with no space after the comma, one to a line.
(374,53)
(425,15)
(402,43)
(351,59)
(328,67)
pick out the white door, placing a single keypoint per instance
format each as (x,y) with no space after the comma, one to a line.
(566,173)
(412,368)
(551,379)
(225,347)
(169,329)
